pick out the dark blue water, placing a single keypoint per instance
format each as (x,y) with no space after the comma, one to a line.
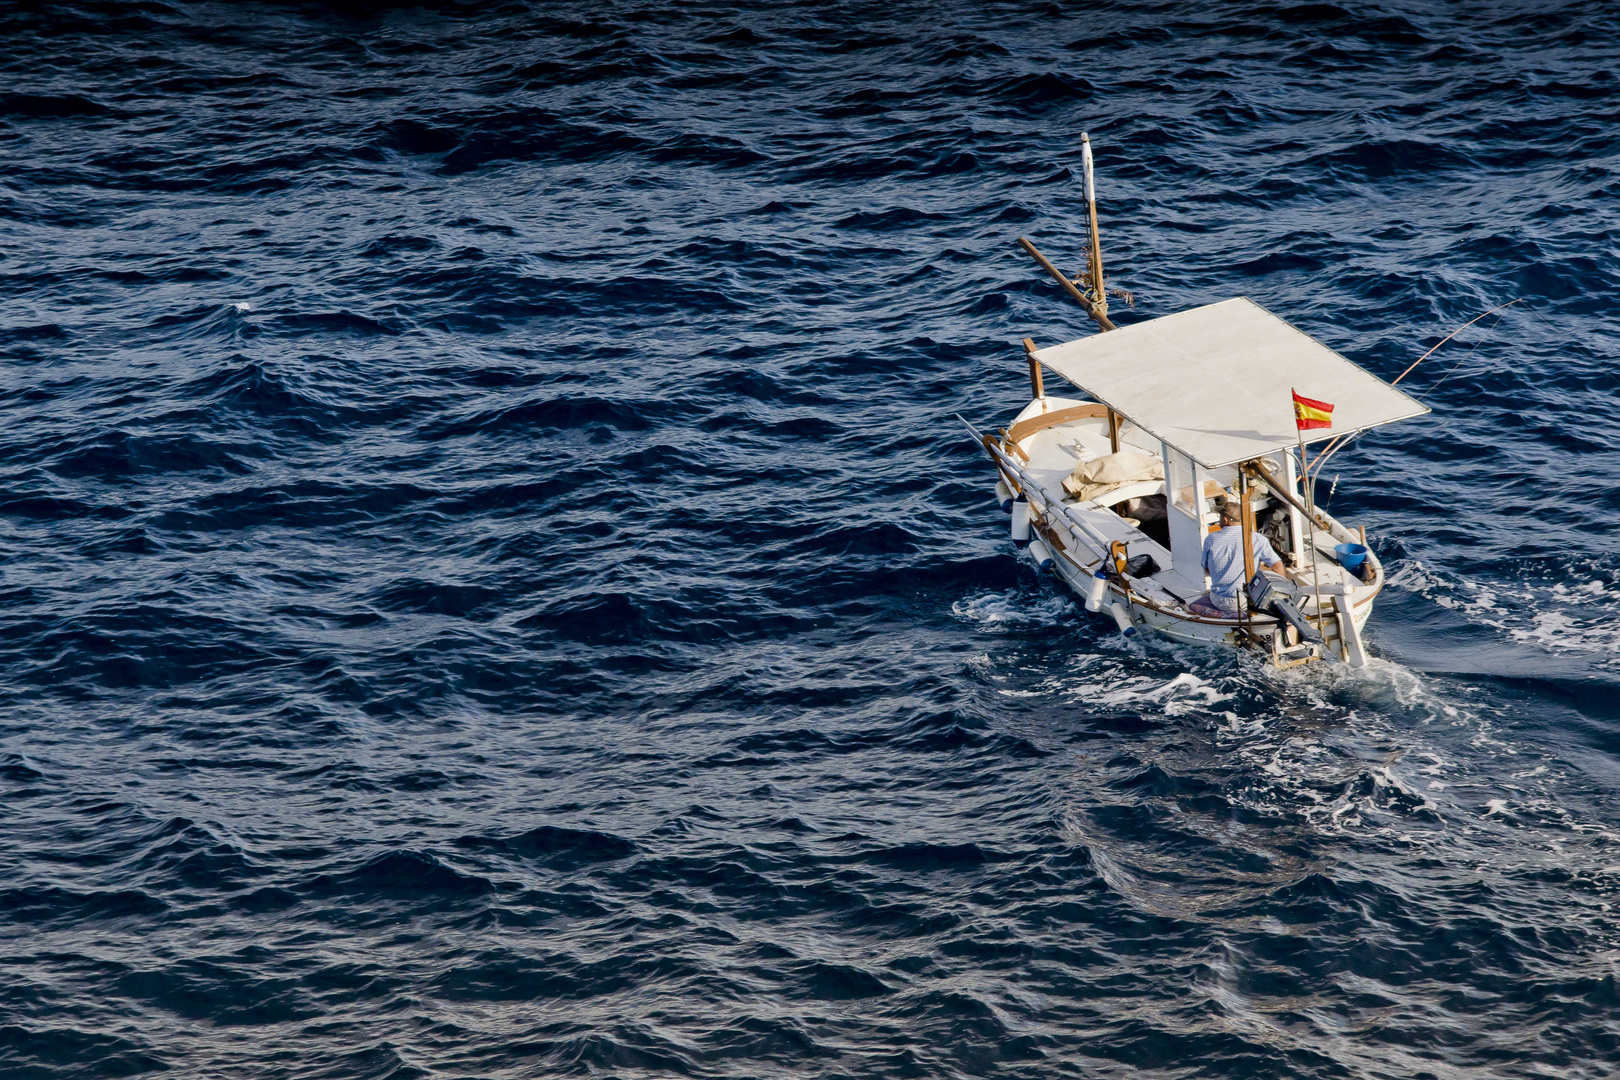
(492,585)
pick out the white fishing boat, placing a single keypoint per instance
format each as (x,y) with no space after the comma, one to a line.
(1116,489)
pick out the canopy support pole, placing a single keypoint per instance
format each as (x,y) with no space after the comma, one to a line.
(1036,389)
(1296,513)
(1247,510)
(1246,523)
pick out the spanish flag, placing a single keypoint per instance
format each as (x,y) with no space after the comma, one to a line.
(1309,413)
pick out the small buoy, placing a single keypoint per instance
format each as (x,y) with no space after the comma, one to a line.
(1099,587)
(1122,618)
(1020,521)
(1004,496)
(1041,554)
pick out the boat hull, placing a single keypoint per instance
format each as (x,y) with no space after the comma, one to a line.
(1192,630)
(1086,541)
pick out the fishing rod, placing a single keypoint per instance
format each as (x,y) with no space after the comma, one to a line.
(1454,333)
(1314,473)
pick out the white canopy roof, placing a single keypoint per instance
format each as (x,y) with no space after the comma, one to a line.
(1214,382)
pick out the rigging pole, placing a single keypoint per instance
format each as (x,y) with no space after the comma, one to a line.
(1100,314)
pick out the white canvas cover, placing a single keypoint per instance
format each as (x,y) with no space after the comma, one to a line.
(1214,382)
(1092,478)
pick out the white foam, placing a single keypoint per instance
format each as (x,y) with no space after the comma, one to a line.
(1012,609)
(1186,693)
(1580,617)
(1563,617)
(1560,631)
(1377,751)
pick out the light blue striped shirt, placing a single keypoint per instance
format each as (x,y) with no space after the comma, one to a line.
(1223,559)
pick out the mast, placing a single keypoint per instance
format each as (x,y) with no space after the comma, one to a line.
(1099,297)
(1095,298)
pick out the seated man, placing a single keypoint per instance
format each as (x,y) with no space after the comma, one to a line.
(1223,562)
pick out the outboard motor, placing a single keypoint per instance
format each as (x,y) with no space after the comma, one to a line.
(1264,597)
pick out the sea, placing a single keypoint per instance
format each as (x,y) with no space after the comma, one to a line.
(493,584)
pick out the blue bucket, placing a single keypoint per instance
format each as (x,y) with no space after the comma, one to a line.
(1351,556)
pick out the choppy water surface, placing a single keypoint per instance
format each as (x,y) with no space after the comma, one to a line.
(493,586)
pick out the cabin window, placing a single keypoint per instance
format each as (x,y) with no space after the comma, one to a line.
(1186,519)
(1179,476)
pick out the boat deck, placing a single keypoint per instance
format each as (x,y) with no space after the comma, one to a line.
(1053,452)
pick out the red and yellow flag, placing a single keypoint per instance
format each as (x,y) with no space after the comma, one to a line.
(1309,413)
